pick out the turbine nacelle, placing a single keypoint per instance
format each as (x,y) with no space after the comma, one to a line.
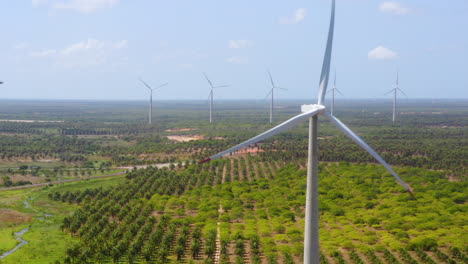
(312,107)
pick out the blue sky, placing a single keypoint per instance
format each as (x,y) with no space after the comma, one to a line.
(97,49)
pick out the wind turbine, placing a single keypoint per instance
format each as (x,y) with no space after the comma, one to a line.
(395,90)
(272,91)
(311,112)
(333,95)
(211,95)
(151,99)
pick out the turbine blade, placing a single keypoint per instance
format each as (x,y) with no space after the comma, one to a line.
(149,87)
(334,80)
(221,86)
(389,91)
(402,92)
(276,130)
(266,96)
(208,80)
(327,58)
(271,79)
(281,88)
(366,147)
(339,92)
(164,84)
(397,77)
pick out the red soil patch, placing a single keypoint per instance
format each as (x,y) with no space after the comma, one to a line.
(248,150)
(454,179)
(157,213)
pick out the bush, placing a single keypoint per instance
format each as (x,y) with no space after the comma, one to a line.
(426,244)
(279,228)
(338,211)
(373,221)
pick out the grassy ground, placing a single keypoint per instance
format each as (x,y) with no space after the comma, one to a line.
(42,179)
(47,243)
(16,164)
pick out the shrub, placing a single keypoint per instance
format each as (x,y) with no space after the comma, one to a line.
(426,244)
(338,211)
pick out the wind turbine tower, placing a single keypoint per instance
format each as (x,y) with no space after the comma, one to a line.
(210,96)
(150,110)
(333,95)
(272,92)
(395,90)
(311,112)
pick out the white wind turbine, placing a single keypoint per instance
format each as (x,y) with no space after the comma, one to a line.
(333,95)
(272,92)
(311,112)
(210,96)
(150,112)
(395,90)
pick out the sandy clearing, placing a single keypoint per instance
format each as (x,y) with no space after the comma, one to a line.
(180,129)
(185,138)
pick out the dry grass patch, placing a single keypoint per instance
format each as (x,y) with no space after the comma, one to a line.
(13,216)
(32,179)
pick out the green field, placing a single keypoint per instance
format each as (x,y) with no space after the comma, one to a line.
(246,208)
(362,211)
(47,242)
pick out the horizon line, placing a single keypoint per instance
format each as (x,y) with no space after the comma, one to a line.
(224,99)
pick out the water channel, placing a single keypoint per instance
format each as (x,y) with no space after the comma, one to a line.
(19,234)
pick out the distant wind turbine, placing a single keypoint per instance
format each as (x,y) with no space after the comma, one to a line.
(272,92)
(395,90)
(210,96)
(150,118)
(311,112)
(333,94)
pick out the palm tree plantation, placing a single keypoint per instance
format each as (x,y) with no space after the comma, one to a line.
(101,186)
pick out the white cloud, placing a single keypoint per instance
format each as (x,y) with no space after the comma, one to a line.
(393,8)
(179,55)
(43,53)
(86,53)
(297,17)
(91,45)
(21,45)
(82,6)
(238,60)
(186,66)
(36,3)
(381,53)
(240,44)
